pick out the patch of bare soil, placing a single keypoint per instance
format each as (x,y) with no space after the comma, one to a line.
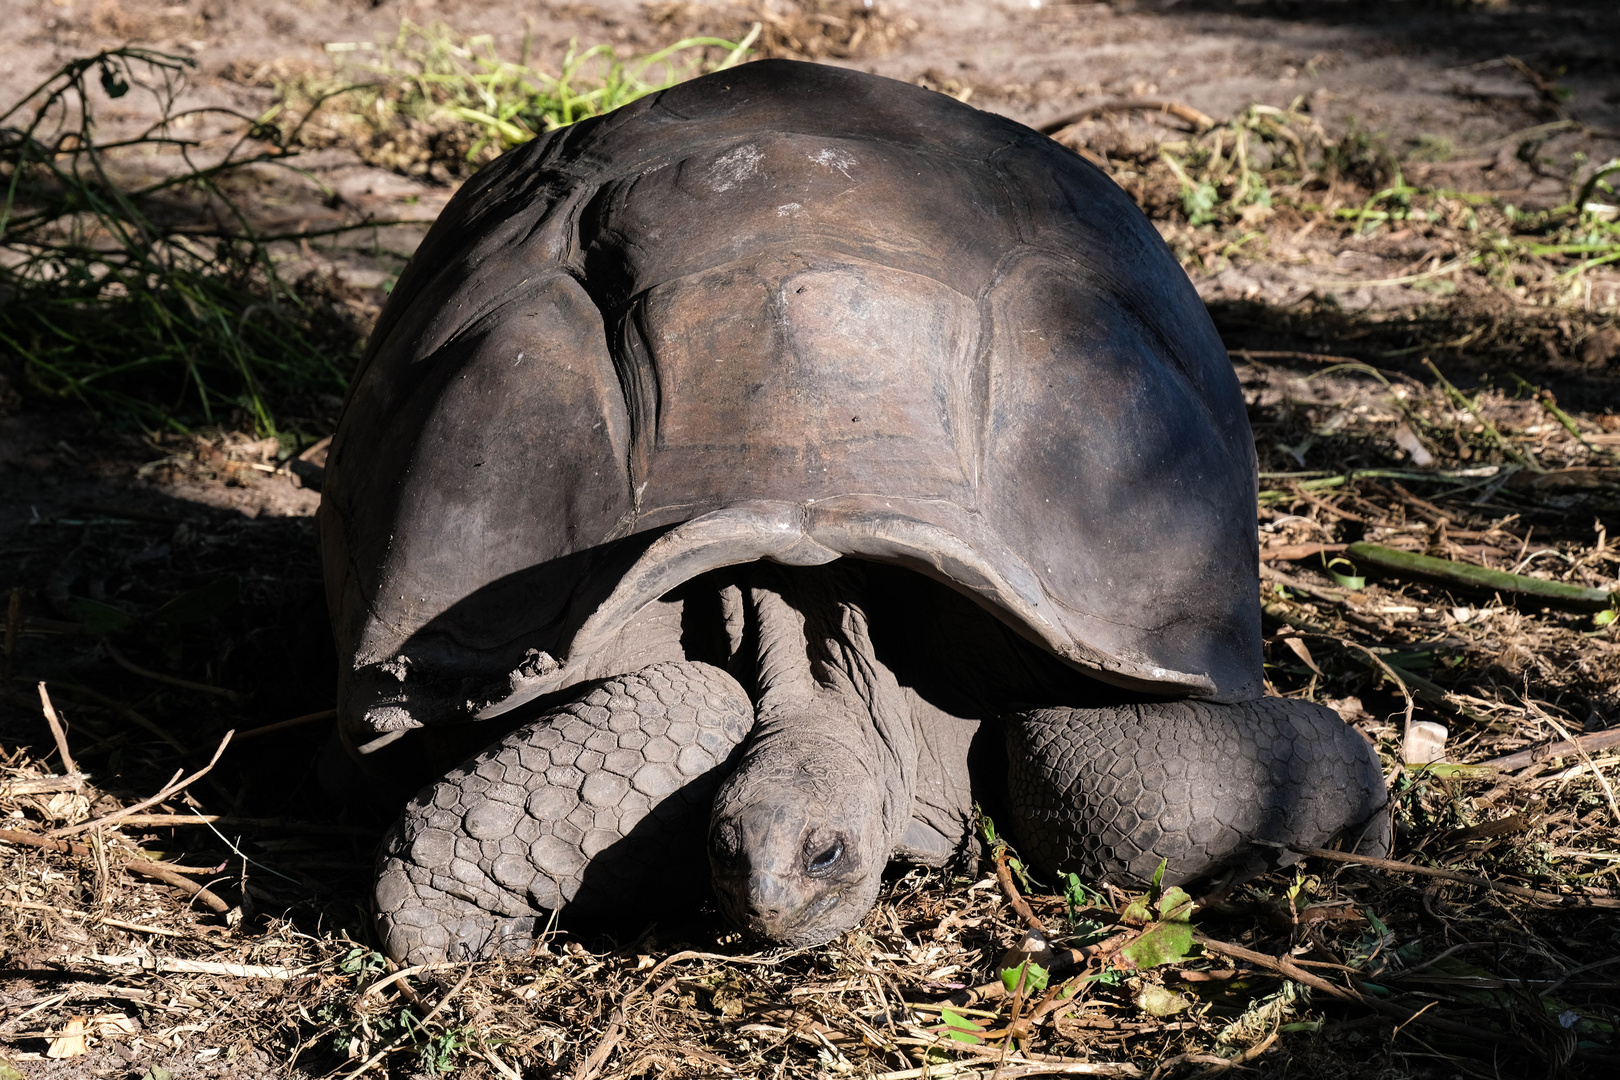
(1419,379)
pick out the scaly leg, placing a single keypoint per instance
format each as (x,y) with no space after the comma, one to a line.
(1110,792)
(600,808)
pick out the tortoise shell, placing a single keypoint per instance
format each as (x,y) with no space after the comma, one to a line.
(790,312)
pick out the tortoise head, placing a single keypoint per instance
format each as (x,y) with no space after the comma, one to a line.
(796,841)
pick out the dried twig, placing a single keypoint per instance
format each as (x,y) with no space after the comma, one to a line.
(1603,781)
(394,1043)
(283,725)
(1185,113)
(1295,552)
(1561,899)
(182,966)
(56,731)
(184,884)
(94,920)
(1286,966)
(171,680)
(41,785)
(1009,889)
(175,785)
(1469,575)
(1597,740)
(11,836)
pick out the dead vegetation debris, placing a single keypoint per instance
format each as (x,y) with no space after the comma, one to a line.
(1486,940)
(1437,377)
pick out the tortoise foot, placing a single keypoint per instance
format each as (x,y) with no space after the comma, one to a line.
(1109,793)
(599,809)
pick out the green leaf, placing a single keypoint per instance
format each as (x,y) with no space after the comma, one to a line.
(987,828)
(1161,943)
(1198,202)
(200,604)
(101,618)
(1137,912)
(1174,904)
(959,1027)
(1604,618)
(1344,573)
(1035,980)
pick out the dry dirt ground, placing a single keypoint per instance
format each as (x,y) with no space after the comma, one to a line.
(1405,390)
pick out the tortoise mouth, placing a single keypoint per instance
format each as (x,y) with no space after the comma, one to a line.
(814,922)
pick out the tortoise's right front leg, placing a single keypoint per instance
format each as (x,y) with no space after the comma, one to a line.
(601,806)
(1110,792)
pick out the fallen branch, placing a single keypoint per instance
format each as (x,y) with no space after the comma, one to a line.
(171,680)
(1186,113)
(11,836)
(1597,740)
(42,785)
(193,890)
(1010,890)
(1286,966)
(1295,552)
(1396,865)
(174,785)
(283,725)
(1471,576)
(179,966)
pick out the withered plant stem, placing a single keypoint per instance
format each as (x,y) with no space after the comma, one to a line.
(175,785)
(1396,865)
(57,733)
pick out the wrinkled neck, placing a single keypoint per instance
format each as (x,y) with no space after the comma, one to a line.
(824,697)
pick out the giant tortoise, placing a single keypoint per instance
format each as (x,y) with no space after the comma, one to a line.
(776,466)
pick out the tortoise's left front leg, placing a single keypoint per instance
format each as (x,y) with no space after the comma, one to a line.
(601,807)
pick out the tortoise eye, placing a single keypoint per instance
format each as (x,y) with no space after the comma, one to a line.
(823,862)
